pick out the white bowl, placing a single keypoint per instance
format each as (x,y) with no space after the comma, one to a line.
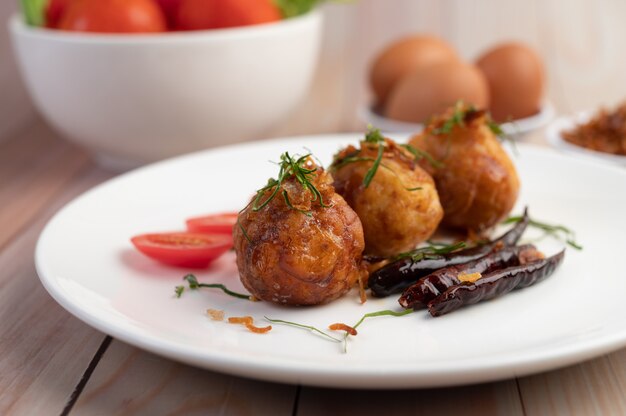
(516,128)
(564,123)
(133,99)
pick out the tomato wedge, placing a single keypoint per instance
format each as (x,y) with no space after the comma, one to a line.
(215,223)
(183,249)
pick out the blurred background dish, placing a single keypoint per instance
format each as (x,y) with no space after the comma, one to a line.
(136,98)
(517,129)
(554,136)
(419,75)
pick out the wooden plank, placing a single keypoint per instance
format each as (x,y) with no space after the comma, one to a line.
(131,381)
(45,350)
(484,399)
(15,105)
(617,363)
(34,167)
(26,149)
(592,388)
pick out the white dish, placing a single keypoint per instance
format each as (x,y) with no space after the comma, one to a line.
(132,99)
(561,124)
(515,128)
(86,262)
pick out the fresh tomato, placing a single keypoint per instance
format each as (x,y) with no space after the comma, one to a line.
(170,10)
(248,12)
(197,15)
(215,223)
(113,16)
(55,10)
(215,14)
(183,249)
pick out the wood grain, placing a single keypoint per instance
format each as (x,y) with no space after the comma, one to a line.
(485,399)
(15,107)
(35,165)
(129,381)
(44,349)
(592,388)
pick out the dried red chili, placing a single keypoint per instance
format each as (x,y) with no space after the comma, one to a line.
(494,284)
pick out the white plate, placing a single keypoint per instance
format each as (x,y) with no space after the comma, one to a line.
(515,128)
(87,264)
(561,124)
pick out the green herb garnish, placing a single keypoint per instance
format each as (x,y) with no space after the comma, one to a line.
(179,291)
(386,312)
(496,129)
(560,232)
(367,179)
(345,338)
(289,167)
(243,230)
(421,154)
(374,137)
(433,249)
(194,285)
(456,119)
(500,133)
(461,112)
(351,159)
(309,327)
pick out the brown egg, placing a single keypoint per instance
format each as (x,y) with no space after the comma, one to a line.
(515,74)
(402,58)
(432,89)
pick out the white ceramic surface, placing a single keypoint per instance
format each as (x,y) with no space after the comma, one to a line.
(133,99)
(517,128)
(86,262)
(564,123)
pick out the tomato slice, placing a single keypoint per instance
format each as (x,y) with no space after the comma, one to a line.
(215,223)
(183,249)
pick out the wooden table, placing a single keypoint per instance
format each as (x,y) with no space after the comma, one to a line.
(52,363)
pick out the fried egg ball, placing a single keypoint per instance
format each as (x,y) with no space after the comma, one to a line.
(304,246)
(477,182)
(399,208)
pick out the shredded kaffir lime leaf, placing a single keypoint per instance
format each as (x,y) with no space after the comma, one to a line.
(372,171)
(560,232)
(194,285)
(353,327)
(309,327)
(422,154)
(386,312)
(456,119)
(373,137)
(290,166)
(178,290)
(500,133)
(433,249)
